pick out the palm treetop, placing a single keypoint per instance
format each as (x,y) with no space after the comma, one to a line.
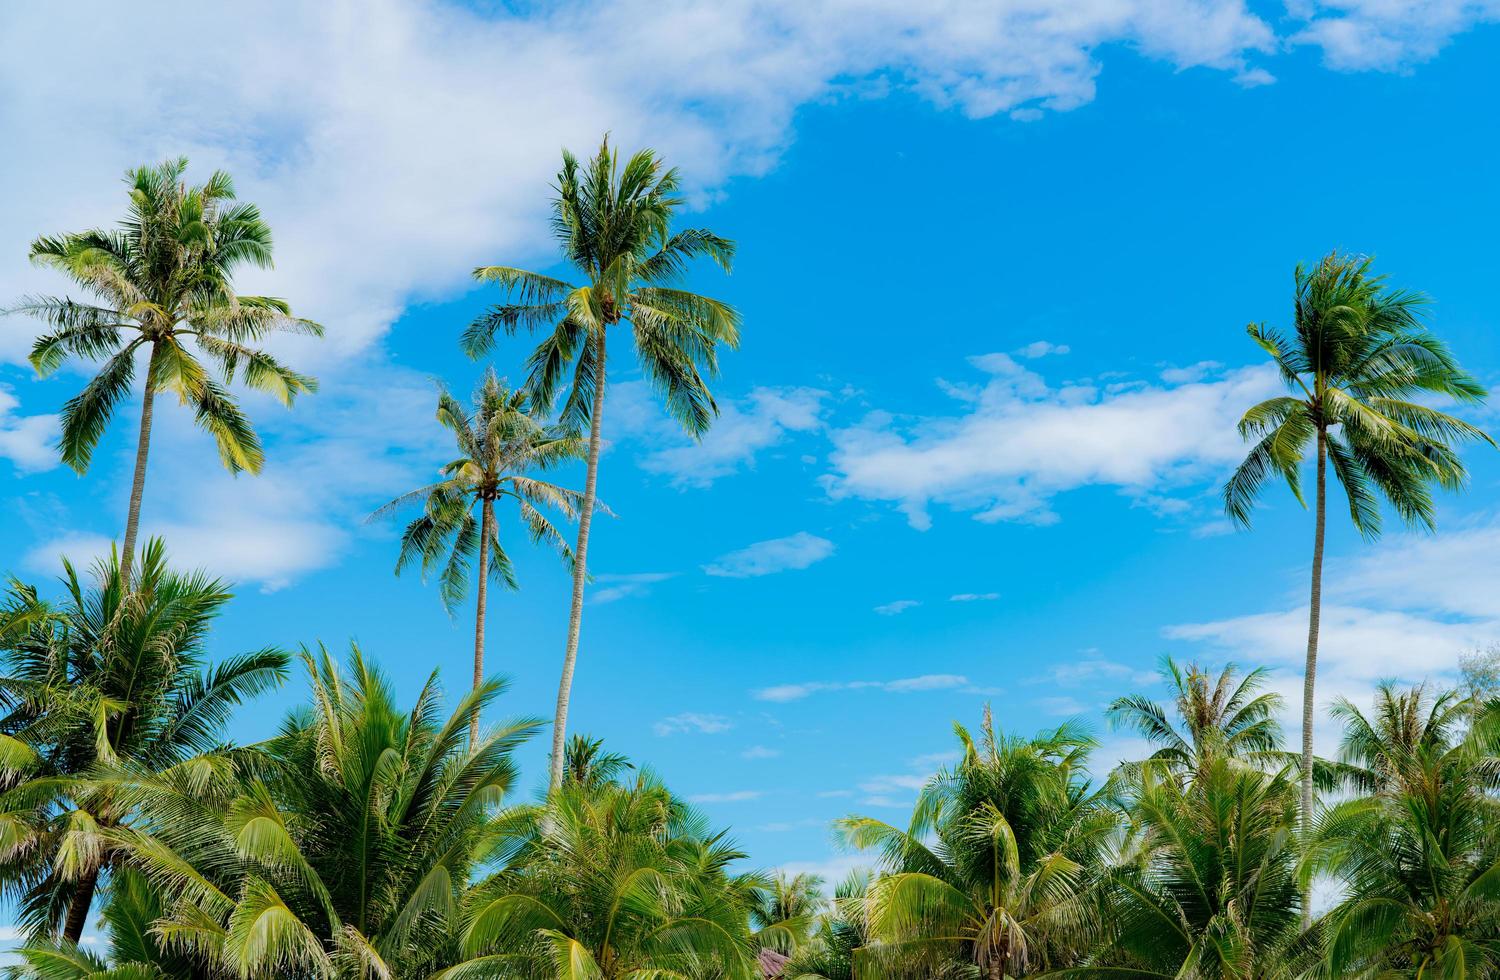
(500,442)
(1358,354)
(1227,715)
(162,277)
(613,224)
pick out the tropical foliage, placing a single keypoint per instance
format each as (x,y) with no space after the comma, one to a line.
(379,835)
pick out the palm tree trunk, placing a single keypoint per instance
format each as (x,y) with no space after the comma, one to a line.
(1314,614)
(138,485)
(78,909)
(580,569)
(486,518)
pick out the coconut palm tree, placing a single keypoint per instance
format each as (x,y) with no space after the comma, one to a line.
(110,680)
(785,913)
(1419,856)
(161,283)
(997,868)
(1216,716)
(609,882)
(499,443)
(343,847)
(613,224)
(1206,886)
(842,929)
(1357,354)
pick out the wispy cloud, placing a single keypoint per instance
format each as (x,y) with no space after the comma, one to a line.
(1093,670)
(738,796)
(692,721)
(760,752)
(897,608)
(791,553)
(902,685)
(26,440)
(974,597)
(1019,441)
(617,587)
(745,428)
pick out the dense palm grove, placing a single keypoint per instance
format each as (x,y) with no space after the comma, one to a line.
(371,838)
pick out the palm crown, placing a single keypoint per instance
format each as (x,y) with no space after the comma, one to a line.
(160,280)
(499,442)
(1358,353)
(614,227)
(114,680)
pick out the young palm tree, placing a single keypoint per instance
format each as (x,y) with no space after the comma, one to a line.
(785,913)
(499,443)
(1221,716)
(997,868)
(343,847)
(162,284)
(842,930)
(1419,856)
(1358,352)
(610,882)
(614,226)
(112,680)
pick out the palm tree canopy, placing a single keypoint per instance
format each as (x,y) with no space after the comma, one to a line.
(1358,354)
(997,865)
(340,848)
(613,223)
(1225,715)
(162,281)
(108,681)
(612,881)
(500,444)
(1418,855)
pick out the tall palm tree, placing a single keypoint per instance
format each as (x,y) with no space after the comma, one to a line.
(1419,856)
(1358,352)
(342,848)
(614,226)
(499,443)
(1217,716)
(110,680)
(611,882)
(998,866)
(161,283)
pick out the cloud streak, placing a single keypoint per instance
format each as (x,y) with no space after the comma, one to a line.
(792,553)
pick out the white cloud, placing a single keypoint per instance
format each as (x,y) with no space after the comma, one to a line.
(28,441)
(745,427)
(904,685)
(896,608)
(738,796)
(617,587)
(322,478)
(692,721)
(1386,34)
(974,597)
(760,752)
(1041,348)
(1022,441)
(1062,706)
(791,553)
(1092,671)
(376,124)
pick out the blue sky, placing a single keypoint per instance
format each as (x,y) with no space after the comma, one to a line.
(994,269)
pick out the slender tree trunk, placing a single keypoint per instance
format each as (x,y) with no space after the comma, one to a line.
(486,531)
(138,485)
(580,570)
(1314,614)
(78,909)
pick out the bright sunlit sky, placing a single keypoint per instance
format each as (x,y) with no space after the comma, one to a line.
(996,260)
